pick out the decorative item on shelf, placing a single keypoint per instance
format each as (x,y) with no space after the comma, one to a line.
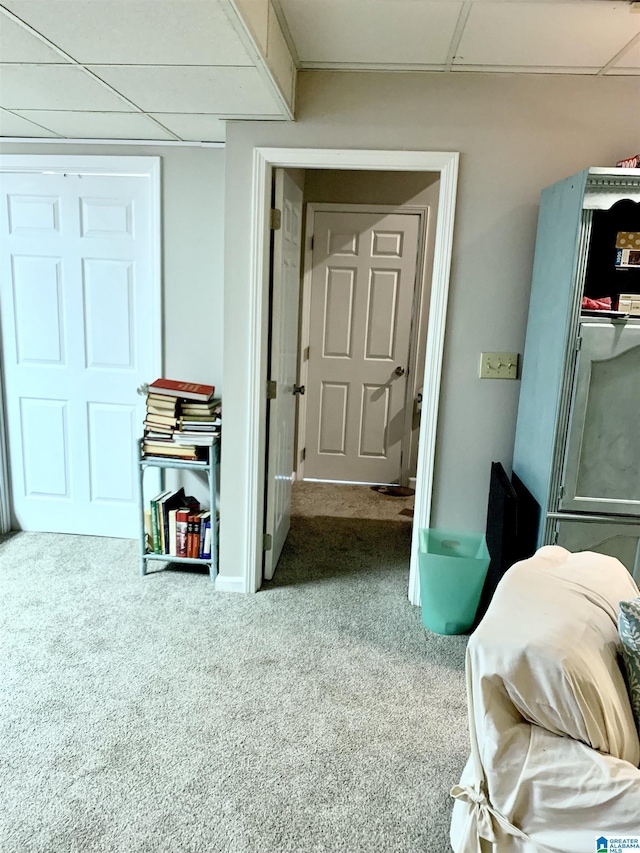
(629,303)
(628,250)
(627,259)
(629,163)
(602,304)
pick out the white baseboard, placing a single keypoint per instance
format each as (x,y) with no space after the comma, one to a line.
(412,483)
(226,584)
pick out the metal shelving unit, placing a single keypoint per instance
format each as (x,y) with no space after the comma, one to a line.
(210,467)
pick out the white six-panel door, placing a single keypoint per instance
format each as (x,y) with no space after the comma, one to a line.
(362,292)
(285,297)
(79,290)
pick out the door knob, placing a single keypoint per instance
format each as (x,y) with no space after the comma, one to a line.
(399,371)
(298,389)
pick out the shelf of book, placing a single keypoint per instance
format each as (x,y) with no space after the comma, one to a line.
(210,467)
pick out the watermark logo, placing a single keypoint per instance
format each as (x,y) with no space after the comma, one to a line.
(617,843)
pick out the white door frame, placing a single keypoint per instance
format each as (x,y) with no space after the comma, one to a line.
(265,160)
(148,167)
(305,314)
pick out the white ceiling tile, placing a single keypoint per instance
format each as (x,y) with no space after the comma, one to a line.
(194,128)
(181,32)
(85,125)
(185,89)
(54,87)
(13,125)
(17,44)
(631,59)
(371,31)
(586,34)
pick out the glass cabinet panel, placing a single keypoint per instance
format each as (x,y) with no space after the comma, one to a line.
(602,461)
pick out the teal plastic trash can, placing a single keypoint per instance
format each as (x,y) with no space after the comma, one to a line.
(453,567)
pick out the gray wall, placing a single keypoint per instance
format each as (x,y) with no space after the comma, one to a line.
(192,250)
(516,134)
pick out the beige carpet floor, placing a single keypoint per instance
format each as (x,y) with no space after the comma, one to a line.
(154,715)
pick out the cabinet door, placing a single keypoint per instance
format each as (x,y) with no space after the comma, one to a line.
(602,462)
(615,540)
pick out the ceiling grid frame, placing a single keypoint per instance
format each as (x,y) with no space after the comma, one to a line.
(585,37)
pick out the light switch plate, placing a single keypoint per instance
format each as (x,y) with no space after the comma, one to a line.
(499,365)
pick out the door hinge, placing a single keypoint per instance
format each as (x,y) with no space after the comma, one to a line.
(561,492)
(555,535)
(276,219)
(307,350)
(313,241)
(272,389)
(304,453)
(579,343)
(267,542)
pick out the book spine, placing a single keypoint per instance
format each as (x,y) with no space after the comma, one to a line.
(155,533)
(173,546)
(182,534)
(189,537)
(196,537)
(203,524)
(206,545)
(165,530)
(148,531)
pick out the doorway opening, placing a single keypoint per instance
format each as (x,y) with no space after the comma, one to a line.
(357,246)
(369,247)
(266,160)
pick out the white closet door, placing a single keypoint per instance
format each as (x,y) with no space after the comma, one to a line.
(77,289)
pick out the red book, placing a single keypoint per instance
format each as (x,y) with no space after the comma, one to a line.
(186,390)
(190,537)
(195,538)
(182,517)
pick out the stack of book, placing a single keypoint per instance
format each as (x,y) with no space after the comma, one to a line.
(183,419)
(199,423)
(178,526)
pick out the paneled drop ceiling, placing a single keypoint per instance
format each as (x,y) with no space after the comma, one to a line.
(522,36)
(176,69)
(132,69)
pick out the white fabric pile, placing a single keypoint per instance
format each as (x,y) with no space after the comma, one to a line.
(554,747)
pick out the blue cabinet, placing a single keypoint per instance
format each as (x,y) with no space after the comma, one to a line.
(578,428)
